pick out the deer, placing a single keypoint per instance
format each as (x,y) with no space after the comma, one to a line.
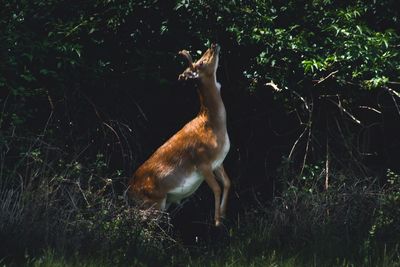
(195,153)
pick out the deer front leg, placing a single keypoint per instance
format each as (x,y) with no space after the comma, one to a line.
(213,184)
(221,176)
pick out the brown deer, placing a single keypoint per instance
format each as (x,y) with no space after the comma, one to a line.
(195,153)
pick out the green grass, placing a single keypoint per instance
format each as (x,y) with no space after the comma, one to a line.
(68,215)
(232,256)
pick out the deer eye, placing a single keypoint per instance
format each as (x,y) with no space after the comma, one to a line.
(201,63)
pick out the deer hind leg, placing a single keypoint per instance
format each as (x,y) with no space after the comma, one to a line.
(221,176)
(213,184)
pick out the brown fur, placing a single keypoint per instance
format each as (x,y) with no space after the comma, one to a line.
(195,149)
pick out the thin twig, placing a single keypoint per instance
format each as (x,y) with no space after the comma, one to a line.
(393,91)
(397,83)
(327,165)
(296,142)
(302,99)
(327,77)
(392,94)
(308,125)
(112,129)
(83,193)
(348,147)
(339,105)
(371,108)
(306,150)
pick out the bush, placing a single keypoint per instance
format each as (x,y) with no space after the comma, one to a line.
(46,202)
(355,219)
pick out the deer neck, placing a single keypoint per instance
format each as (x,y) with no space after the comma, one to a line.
(211,104)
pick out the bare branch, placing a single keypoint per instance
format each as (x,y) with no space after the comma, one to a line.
(327,165)
(339,105)
(390,82)
(296,142)
(394,93)
(308,127)
(307,148)
(302,99)
(327,77)
(371,108)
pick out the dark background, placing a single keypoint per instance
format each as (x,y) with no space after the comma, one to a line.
(100,77)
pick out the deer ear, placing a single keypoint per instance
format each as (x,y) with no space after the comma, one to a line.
(188,74)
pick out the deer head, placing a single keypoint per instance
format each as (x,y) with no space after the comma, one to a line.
(204,68)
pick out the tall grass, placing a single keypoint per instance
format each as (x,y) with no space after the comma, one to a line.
(58,210)
(355,222)
(52,200)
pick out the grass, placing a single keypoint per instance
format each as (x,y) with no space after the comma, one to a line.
(66,213)
(231,257)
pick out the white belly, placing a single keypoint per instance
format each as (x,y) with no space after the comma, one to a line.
(218,161)
(188,186)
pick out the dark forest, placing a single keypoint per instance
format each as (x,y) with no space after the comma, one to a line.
(89,90)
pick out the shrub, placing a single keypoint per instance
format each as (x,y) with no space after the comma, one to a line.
(46,202)
(356,219)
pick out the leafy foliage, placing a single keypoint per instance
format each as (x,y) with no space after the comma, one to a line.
(87,91)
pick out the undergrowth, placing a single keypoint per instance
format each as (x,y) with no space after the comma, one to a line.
(48,202)
(354,222)
(58,212)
